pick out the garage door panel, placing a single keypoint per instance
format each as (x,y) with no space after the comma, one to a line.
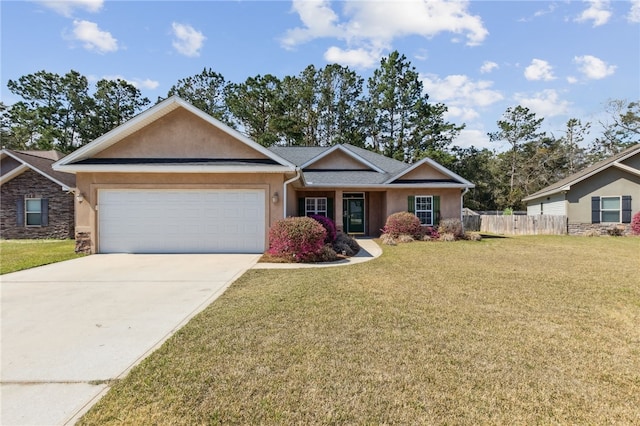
(189,221)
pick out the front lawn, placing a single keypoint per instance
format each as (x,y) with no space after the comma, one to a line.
(528,330)
(16,255)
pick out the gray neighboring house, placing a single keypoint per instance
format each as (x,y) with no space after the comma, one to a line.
(36,201)
(603,196)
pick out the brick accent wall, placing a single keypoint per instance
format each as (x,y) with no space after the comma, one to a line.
(602,229)
(34,185)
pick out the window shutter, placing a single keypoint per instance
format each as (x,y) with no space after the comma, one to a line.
(595,209)
(411,207)
(301,206)
(436,209)
(20,211)
(330,209)
(44,212)
(626,209)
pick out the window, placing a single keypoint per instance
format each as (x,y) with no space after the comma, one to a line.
(610,209)
(316,205)
(424,209)
(33,211)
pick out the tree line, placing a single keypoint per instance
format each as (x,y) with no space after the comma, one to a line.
(388,113)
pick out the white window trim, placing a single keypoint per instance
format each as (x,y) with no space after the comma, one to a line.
(315,210)
(27,211)
(415,200)
(619,209)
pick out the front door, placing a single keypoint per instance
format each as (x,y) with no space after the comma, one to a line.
(353,215)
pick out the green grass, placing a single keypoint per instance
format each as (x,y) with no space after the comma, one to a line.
(16,255)
(530,330)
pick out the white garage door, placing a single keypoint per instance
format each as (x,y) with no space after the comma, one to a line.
(181,221)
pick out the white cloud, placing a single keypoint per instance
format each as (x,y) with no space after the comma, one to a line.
(488,66)
(136,82)
(634,12)
(357,58)
(474,137)
(572,80)
(373,25)
(545,104)
(67,7)
(93,38)
(188,41)
(598,12)
(539,70)
(594,68)
(461,95)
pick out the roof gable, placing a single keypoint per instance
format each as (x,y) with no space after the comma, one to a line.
(159,133)
(39,161)
(626,160)
(339,157)
(429,171)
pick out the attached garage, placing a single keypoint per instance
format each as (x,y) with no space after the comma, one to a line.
(181,221)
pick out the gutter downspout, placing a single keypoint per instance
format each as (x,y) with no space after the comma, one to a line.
(462,207)
(284,198)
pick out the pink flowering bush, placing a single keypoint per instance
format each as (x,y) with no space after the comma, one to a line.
(299,239)
(403,223)
(635,224)
(328,225)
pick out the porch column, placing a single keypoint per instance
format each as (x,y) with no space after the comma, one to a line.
(337,210)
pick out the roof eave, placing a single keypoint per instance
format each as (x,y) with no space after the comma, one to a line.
(146,168)
(392,186)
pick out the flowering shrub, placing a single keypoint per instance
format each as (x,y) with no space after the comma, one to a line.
(635,224)
(403,223)
(328,225)
(298,238)
(430,233)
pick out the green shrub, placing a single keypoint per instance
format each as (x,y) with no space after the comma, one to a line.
(346,245)
(300,239)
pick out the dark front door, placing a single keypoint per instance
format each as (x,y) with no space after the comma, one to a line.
(353,215)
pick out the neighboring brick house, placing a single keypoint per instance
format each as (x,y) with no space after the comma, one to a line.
(36,201)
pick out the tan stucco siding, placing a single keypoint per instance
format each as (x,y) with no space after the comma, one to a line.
(180,134)
(89,185)
(450,201)
(424,171)
(608,183)
(338,160)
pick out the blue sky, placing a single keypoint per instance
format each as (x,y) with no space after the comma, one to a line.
(561,59)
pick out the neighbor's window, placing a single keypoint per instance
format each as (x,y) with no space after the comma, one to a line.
(610,209)
(316,205)
(33,211)
(424,209)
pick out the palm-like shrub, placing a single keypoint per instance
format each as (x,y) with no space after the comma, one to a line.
(299,239)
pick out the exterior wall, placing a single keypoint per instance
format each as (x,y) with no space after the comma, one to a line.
(180,134)
(90,183)
(597,228)
(450,201)
(609,182)
(34,185)
(554,205)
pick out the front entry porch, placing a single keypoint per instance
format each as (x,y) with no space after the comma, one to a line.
(355,213)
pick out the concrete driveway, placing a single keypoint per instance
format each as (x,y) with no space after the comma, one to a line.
(69,327)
